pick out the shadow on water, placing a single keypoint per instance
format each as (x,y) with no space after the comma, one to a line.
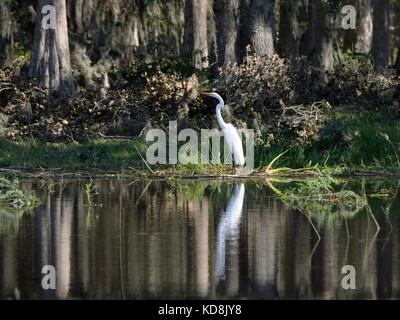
(116,239)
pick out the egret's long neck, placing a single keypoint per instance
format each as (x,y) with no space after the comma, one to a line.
(221,121)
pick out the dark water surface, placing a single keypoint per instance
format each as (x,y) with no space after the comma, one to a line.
(140,240)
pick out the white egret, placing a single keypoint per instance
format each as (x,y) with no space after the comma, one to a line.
(231,135)
(228,231)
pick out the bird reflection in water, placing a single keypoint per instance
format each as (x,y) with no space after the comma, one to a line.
(228,233)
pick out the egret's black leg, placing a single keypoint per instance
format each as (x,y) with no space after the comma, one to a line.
(233,164)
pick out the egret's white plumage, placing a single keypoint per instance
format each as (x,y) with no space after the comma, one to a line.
(228,229)
(231,135)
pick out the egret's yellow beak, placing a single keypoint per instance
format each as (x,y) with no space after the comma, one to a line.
(205,94)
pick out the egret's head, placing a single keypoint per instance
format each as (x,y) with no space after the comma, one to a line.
(215,96)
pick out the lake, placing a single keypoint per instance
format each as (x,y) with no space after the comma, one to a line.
(112,238)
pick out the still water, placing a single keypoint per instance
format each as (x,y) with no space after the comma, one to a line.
(216,240)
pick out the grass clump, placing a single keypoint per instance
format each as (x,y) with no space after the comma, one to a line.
(321,199)
(11,194)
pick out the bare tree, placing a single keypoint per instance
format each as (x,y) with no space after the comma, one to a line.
(195,35)
(50,64)
(380,36)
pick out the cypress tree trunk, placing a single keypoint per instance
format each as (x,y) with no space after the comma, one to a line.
(258,26)
(364,29)
(212,36)
(397,24)
(195,35)
(227,21)
(380,36)
(50,64)
(6,32)
(319,37)
(289,35)
(360,39)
